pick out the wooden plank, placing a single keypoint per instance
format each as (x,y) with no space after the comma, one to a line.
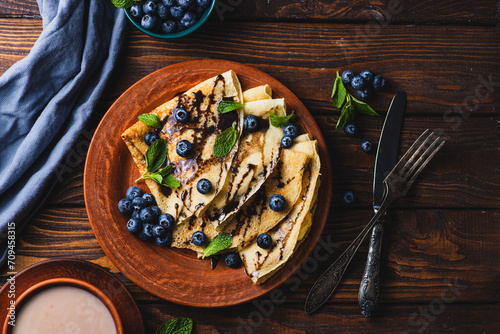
(463,175)
(468,12)
(424,252)
(435,316)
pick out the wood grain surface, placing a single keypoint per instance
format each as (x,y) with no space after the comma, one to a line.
(441,248)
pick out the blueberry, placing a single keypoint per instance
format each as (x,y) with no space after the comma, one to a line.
(181,115)
(348,198)
(291,130)
(136,213)
(147,232)
(150,138)
(167,221)
(251,123)
(203,3)
(264,241)
(378,82)
(139,203)
(286,142)
(136,11)
(168,27)
(149,198)
(232,260)
(364,94)
(188,20)
(176,12)
(133,192)
(367,76)
(165,240)
(204,186)
(159,231)
(184,148)
(351,129)
(186,4)
(358,82)
(149,22)
(366,146)
(156,211)
(149,7)
(162,11)
(147,215)
(169,3)
(125,206)
(347,76)
(277,203)
(198,238)
(134,225)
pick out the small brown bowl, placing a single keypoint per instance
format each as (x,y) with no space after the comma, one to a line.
(40,286)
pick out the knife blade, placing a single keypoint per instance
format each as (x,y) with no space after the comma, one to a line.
(386,158)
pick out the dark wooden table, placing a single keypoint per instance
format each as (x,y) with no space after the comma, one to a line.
(440,261)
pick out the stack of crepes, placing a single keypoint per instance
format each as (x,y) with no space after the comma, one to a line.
(243,180)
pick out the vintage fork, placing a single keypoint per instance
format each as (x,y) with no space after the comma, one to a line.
(396,184)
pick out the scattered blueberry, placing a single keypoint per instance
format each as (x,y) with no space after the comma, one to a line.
(188,20)
(348,198)
(147,215)
(286,141)
(358,82)
(291,130)
(169,3)
(367,76)
(251,123)
(198,238)
(149,198)
(136,11)
(125,206)
(264,241)
(351,129)
(186,4)
(181,115)
(232,260)
(150,138)
(162,11)
(167,221)
(176,12)
(159,231)
(156,210)
(367,146)
(149,7)
(168,26)
(277,203)
(139,202)
(347,76)
(364,94)
(184,148)
(149,22)
(165,240)
(378,82)
(133,192)
(134,225)
(204,186)
(147,232)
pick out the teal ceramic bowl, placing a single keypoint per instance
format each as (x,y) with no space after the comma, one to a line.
(182,33)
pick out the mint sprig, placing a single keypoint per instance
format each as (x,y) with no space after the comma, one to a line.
(155,158)
(225,142)
(151,120)
(279,121)
(182,325)
(217,244)
(227,106)
(341,98)
(123,3)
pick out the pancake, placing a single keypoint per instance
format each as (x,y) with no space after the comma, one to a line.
(258,93)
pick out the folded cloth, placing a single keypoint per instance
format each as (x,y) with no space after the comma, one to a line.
(47,98)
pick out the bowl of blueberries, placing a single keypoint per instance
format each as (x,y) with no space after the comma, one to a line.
(169,18)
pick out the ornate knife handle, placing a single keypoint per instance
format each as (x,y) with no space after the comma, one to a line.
(369,289)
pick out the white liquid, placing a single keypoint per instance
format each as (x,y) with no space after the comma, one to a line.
(64,310)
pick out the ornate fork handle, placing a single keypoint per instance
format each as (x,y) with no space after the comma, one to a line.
(326,284)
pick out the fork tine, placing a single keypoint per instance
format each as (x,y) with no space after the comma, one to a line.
(411,162)
(423,165)
(403,159)
(417,163)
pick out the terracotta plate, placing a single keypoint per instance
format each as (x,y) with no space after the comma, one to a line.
(173,274)
(84,271)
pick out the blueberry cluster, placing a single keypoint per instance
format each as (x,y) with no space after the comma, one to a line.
(168,16)
(146,220)
(364,83)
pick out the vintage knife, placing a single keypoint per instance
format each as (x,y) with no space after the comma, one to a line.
(387,153)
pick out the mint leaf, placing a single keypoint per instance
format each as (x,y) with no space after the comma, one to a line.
(123,3)
(339,92)
(346,115)
(227,106)
(279,121)
(225,142)
(170,181)
(363,108)
(153,176)
(182,325)
(151,120)
(165,171)
(156,155)
(218,243)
